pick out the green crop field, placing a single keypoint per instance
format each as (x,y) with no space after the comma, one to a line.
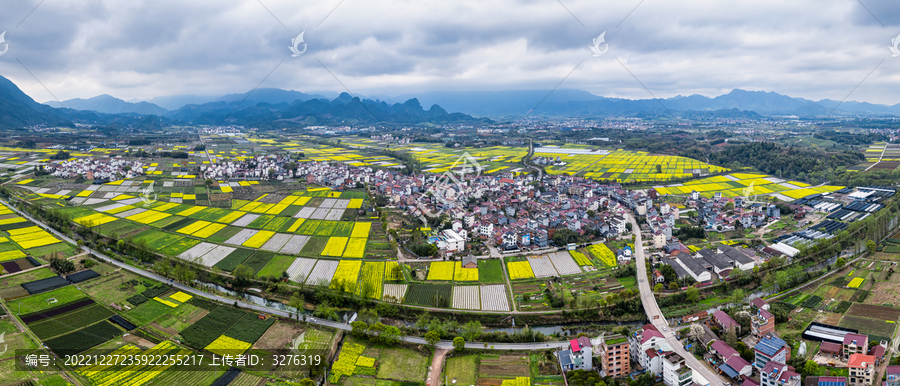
(490,271)
(40,302)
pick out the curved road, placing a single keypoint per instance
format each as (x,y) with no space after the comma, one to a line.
(444,344)
(652,310)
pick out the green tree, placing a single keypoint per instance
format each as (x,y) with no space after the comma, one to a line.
(242,275)
(692,294)
(737,296)
(658,287)
(870,246)
(459,343)
(62,266)
(306,382)
(359,328)
(390,335)
(471,331)
(432,337)
(840,262)
(811,368)
(673,286)
(297,301)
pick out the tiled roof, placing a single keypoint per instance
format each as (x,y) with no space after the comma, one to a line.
(860,360)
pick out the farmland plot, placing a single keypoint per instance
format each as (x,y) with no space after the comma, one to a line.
(542,266)
(245,220)
(371,278)
(320,213)
(564,263)
(109,207)
(322,273)
(295,244)
(276,242)
(197,251)
(241,237)
(334,214)
(341,204)
(396,292)
(493,298)
(216,255)
(300,268)
(328,203)
(346,276)
(430,295)
(466,297)
(306,212)
(130,213)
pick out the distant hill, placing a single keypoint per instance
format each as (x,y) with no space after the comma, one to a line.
(270,96)
(18,109)
(109,105)
(569,103)
(344,109)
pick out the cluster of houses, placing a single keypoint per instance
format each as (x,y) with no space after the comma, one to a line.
(712,213)
(646,350)
(263,167)
(97,168)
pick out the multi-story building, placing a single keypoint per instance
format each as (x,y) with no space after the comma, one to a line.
(855,344)
(862,369)
(892,376)
(451,241)
(762,323)
(615,355)
(643,345)
(676,372)
(778,374)
(579,355)
(770,348)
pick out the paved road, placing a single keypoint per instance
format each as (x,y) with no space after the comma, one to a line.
(445,344)
(652,310)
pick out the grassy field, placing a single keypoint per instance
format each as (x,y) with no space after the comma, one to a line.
(402,365)
(461,370)
(276,266)
(39,302)
(490,271)
(147,312)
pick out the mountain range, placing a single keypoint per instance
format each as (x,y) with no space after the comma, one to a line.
(511,103)
(277,108)
(267,108)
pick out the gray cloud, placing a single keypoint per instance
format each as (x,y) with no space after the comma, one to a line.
(140,49)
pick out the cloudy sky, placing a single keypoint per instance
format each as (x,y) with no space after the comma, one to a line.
(139,49)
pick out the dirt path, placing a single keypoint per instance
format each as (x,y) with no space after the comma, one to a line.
(437,363)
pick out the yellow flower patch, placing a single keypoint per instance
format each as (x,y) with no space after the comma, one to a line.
(356,247)
(361,229)
(181,296)
(224,345)
(209,230)
(258,239)
(519,270)
(196,226)
(166,302)
(335,246)
(441,270)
